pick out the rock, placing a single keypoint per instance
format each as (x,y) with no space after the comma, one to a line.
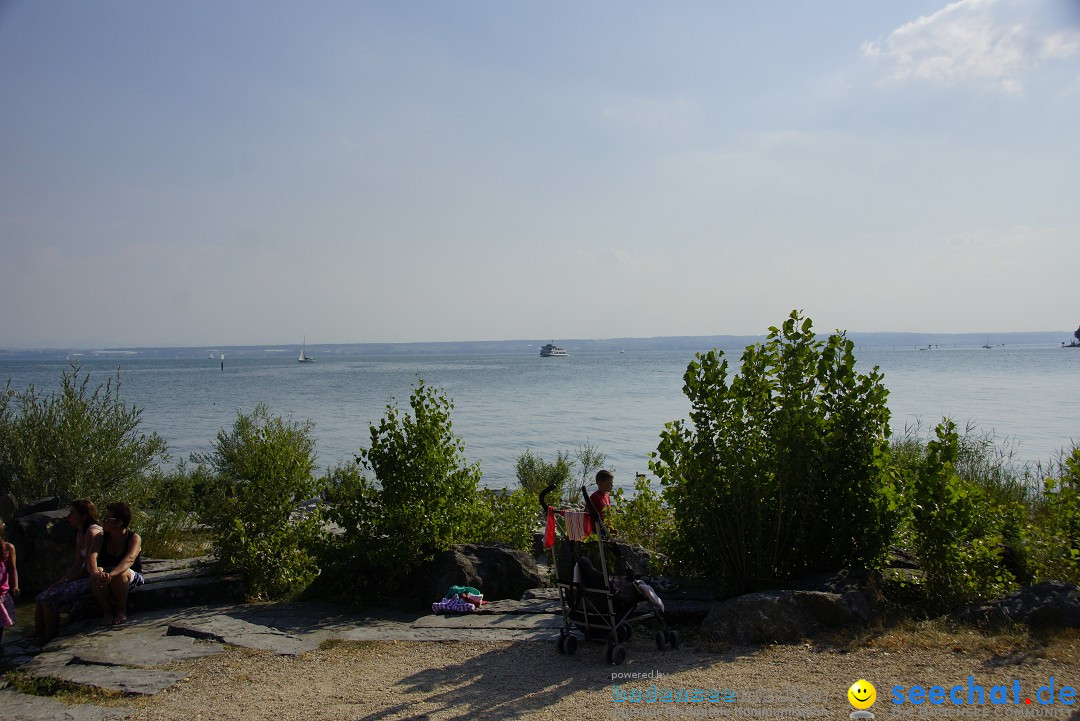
(45,544)
(1051,604)
(173,583)
(783,616)
(497,570)
(8,506)
(49,503)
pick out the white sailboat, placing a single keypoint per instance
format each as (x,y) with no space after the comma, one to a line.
(304,358)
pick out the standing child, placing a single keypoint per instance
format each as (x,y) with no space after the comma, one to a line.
(9,582)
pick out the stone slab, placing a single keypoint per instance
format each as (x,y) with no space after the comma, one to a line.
(21,707)
(238,632)
(140,681)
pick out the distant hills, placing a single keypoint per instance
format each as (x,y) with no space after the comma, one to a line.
(573,345)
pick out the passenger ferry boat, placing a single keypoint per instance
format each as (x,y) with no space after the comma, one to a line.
(552,351)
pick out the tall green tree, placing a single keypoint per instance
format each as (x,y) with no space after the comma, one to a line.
(780,468)
(80,441)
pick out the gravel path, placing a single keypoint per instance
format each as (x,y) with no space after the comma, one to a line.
(384,680)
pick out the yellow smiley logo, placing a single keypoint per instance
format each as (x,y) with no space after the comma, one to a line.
(862,694)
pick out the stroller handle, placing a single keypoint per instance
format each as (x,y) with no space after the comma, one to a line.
(543,496)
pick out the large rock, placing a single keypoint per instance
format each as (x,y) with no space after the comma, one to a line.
(783,616)
(496,570)
(49,503)
(1054,604)
(45,544)
(8,506)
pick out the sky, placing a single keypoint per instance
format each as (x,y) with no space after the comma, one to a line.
(254,172)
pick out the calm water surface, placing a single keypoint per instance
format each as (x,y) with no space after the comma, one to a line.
(505,404)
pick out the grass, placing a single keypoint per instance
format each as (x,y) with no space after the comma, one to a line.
(939,634)
(66,691)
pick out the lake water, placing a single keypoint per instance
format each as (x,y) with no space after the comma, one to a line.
(505,404)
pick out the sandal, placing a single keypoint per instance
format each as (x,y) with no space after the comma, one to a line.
(120,620)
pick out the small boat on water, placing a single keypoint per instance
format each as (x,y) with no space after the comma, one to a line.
(551,350)
(304,358)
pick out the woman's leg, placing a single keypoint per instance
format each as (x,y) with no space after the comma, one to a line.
(119,588)
(101,593)
(50,622)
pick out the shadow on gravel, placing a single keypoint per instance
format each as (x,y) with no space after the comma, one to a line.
(527,678)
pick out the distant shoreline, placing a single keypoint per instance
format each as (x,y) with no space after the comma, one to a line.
(528,347)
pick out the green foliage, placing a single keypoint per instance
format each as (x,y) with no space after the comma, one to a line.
(534,474)
(163,505)
(509,517)
(421,497)
(264,468)
(643,519)
(75,443)
(568,472)
(957,528)
(588,460)
(1053,529)
(780,469)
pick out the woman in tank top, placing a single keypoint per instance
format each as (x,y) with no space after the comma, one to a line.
(118,568)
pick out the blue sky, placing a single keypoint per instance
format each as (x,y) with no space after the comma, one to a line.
(251,172)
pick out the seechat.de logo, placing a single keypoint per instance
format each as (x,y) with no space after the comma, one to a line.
(862,696)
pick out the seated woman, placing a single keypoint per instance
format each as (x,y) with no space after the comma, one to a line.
(83,517)
(116,563)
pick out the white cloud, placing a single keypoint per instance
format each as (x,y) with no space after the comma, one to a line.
(985,43)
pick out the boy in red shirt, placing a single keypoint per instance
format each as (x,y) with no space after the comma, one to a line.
(601,500)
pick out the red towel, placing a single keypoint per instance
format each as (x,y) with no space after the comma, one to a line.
(549,532)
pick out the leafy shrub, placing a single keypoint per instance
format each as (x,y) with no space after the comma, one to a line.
(779,470)
(421,498)
(509,517)
(643,519)
(264,469)
(957,528)
(1053,530)
(73,443)
(534,474)
(568,472)
(164,506)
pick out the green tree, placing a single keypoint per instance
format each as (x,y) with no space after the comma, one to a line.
(416,494)
(74,443)
(264,467)
(779,470)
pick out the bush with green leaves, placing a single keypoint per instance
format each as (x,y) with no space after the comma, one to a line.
(264,469)
(77,442)
(956,528)
(534,474)
(568,473)
(415,494)
(643,519)
(1052,533)
(509,517)
(779,469)
(164,505)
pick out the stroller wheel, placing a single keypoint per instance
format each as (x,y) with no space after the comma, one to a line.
(570,645)
(624,631)
(616,654)
(560,642)
(660,641)
(673,639)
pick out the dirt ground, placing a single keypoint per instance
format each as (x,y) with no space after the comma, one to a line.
(372,681)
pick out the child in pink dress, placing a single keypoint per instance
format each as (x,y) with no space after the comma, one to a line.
(9,583)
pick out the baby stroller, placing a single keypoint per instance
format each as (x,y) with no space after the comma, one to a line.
(595,604)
